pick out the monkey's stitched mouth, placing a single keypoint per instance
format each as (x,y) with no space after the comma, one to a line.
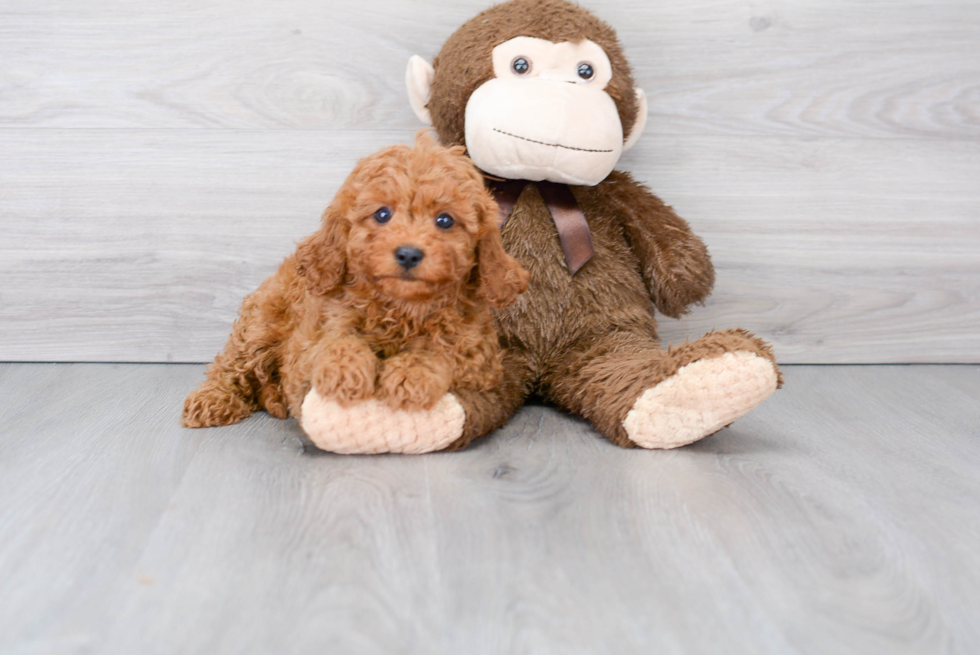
(550,145)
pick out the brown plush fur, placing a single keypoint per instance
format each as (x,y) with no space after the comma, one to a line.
(343,316)
(464,63)
(587,342)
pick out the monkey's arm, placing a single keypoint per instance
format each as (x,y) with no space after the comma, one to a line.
(675,263)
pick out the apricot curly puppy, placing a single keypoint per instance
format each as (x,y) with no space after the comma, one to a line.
(388,301)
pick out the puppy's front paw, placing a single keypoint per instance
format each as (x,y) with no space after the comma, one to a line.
(346,373)
(412,384)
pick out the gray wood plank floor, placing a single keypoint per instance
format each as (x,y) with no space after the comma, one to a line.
(840,517)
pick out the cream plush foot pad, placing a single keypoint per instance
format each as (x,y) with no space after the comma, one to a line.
(700,399)
(372,427)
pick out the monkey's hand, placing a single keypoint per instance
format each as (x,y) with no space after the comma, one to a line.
(675,263)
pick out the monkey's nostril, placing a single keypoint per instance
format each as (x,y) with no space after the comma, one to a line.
(408,256)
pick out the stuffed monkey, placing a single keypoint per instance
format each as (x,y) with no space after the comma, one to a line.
(542,97)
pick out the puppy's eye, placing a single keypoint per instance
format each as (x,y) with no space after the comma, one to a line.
(444,221)
(521,65)
(383,215)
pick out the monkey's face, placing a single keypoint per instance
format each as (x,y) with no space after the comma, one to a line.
(545,115)
(539,109)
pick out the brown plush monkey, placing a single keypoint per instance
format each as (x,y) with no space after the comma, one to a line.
(541,95)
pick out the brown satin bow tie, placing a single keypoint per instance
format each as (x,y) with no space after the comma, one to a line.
(573,229)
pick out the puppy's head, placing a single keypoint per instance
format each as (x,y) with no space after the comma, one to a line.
(413,224)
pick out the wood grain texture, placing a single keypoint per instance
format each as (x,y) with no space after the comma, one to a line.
(158,159)
(839,517)
(780,67)
(140,245)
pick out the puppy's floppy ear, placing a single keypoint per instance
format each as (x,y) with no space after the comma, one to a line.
(501,277)
(322,257)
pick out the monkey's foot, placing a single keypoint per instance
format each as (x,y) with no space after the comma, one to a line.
(700,399)
(372,427)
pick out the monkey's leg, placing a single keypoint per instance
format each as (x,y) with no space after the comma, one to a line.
(638,394)
(487,411)
(457,419)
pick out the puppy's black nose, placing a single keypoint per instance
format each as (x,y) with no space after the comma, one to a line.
(408,256)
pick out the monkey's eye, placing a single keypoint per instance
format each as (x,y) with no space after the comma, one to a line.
(444,221)
(521,65)
(383,215)
(585,71)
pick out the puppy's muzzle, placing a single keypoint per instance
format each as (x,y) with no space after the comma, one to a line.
(408,256)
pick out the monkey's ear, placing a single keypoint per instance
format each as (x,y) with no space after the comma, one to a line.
(322,258)
(418,79)
(641,120)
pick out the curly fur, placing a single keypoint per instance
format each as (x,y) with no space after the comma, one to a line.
(341,315)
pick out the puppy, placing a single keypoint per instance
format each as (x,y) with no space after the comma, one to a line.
(388,300)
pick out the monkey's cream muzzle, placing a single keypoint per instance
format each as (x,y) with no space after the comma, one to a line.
(543,129)
(545,114)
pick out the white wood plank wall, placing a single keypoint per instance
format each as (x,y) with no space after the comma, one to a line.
(158,159)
